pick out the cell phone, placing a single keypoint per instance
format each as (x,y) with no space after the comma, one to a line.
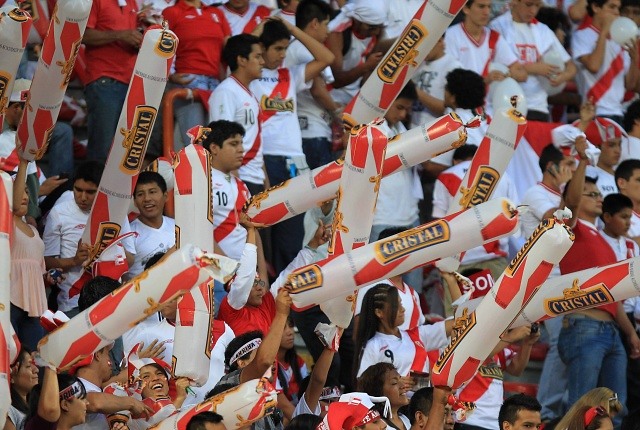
(535,327)
(63,175)
(554,169)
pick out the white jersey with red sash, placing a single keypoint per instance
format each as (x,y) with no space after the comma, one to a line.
(529,42)
(248,21)
(606,87)
(357,54)
(634,230)
(413,316)
(623,247)
(234,102)
(477,55)
(446,187)
(276,90)
(229,195)
(407,352)
(486,390)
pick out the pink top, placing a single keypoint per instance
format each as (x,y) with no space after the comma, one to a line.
(27,266)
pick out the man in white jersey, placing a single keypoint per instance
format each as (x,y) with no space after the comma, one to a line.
(63,232)
(616,216)
(530,40)
(631,123)
(156,232)
(233,101)
(244,15)
(628,181)
(606,68)
(277,90)
(354,34)
(316,109)
(476,46)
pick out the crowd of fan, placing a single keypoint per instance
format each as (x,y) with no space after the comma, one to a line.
(274,81)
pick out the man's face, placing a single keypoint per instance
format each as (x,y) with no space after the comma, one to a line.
(618,223)
(254,63)
(479,13)
(610,153)
(526,420)
(13,114)
(274,54)
(398,111)
(150,200)
(569,162)
(524,11)
(155,382)
(449,422)
(84,193)
(591,203)
(229,157)
(321,32)
(631,188)
(257,292)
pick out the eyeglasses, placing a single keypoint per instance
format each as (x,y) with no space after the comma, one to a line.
(593,195)
(614,398)
(591,413)
(259,282)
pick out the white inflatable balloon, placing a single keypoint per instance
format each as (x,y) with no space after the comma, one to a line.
(623,30)
(495,67)
(508,94)
(552,57)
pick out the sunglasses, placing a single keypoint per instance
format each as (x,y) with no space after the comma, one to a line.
(591,413)
(614,398)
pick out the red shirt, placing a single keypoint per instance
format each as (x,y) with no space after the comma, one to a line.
(589,250)
(249,318)
(201,33)
(114,60)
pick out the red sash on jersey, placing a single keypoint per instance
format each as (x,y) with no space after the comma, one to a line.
(280,90)
(228,225)
(253,151)
(258,16)
(493,40)
(603,84)
(415,315)
(420,358)
(630,248)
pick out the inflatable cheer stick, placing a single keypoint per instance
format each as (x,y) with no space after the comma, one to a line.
(6,231)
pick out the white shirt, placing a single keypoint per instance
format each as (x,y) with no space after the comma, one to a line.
(607,93)
(529,42)
(229,196)
(634,230)
(630,148)
(400,14)
(277,92)
(95,421)
(243,23)
(151,241)
(474,55)
(431,77)
(446,188)
(314,120)
(623,247)
(606,182)
(409,300)
(538,199)
(234,102)
(400,351)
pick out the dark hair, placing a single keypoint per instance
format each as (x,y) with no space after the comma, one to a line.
(148,177)
(587,180)
(391,231)
(16,399)
(420,402)
(376,298)
(89,171)
(631,115)
(372,379)
(626,168)
(238,46)
(514,404)
(553,18)
(220,131)
(220,388)
(64,380)
(550,154)
(308,10)
(614,203)
(465,152)
(469,3)
(591,3)
(467,87)
(236,344)
(304,422)
(290,358)
(95,289)
(153,260)
(198,421)
(409,92)
(274,31)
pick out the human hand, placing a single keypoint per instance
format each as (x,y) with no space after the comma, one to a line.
(634,346)
(516,334)
(139,409)
(51,184)
(322,235)
(132,37)
(495,76)
(283,302)
(581,147)
(246,222)
(372,60)
(182,383)
(181,78)
(154,350)
(544,69)
(82,253)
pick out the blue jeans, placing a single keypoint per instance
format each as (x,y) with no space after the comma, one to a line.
(60,151)
(105,98)
(188,113)
(553,380)
(594,355)
(317,150)
(27,328)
